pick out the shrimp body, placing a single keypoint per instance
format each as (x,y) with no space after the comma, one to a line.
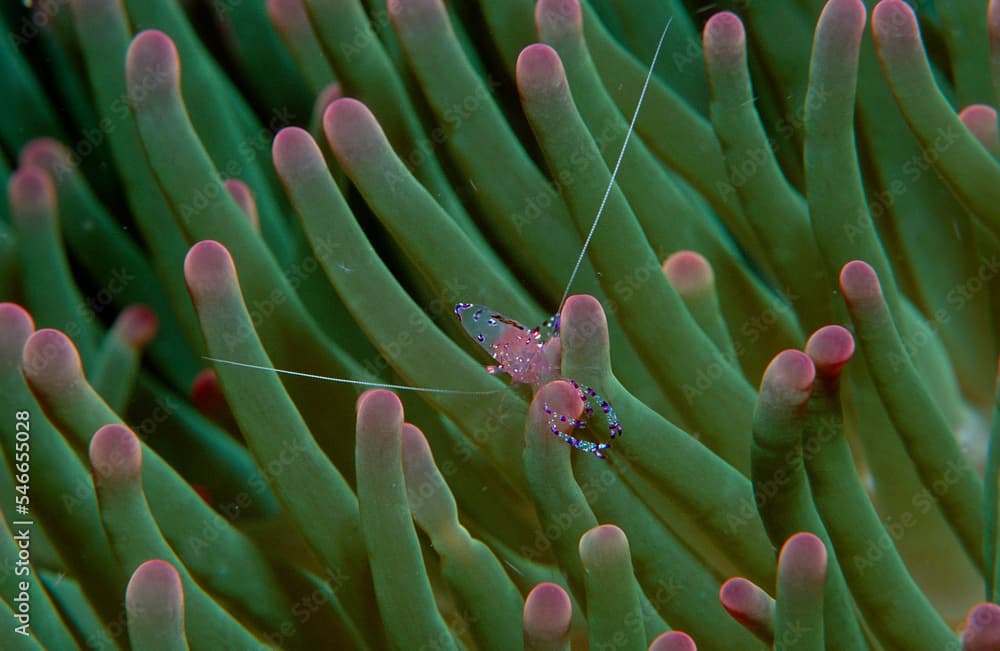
(531,356)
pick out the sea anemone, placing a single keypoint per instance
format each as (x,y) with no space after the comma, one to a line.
(240,411)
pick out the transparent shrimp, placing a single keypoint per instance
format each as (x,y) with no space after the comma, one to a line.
(530,356)
(526,355)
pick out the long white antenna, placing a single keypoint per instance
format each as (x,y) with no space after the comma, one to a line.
(618,164)
(569,285)
(376,385)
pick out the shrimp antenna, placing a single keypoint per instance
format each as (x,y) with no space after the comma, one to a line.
(569,285)
(618,164)
(376,385)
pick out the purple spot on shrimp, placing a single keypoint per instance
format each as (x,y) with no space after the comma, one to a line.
(521,353)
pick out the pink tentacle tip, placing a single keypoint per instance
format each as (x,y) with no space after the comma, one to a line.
(584,324)
(804,556)
(547,613)
(602,539)
(540,70)
(50,360)
(689,272)
(853,11)
(344,117)
(206,392)
(293,150)
(380,416)
(152,65)
(242,195)
(378,400)
(288,15)
(32,192)
(559,396)
(830,348)
(859,283)
(16,325)
(981,121)
(46,153)
(673,641)
(581,307)
(115,453)
(154,588)
(790,376)
(982,628)
(558,16)
(733,592)
(416,449)
(583,314)
(330,94)
(208,269)
(894,20)
(724,36)
(744,600)
(137,325)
